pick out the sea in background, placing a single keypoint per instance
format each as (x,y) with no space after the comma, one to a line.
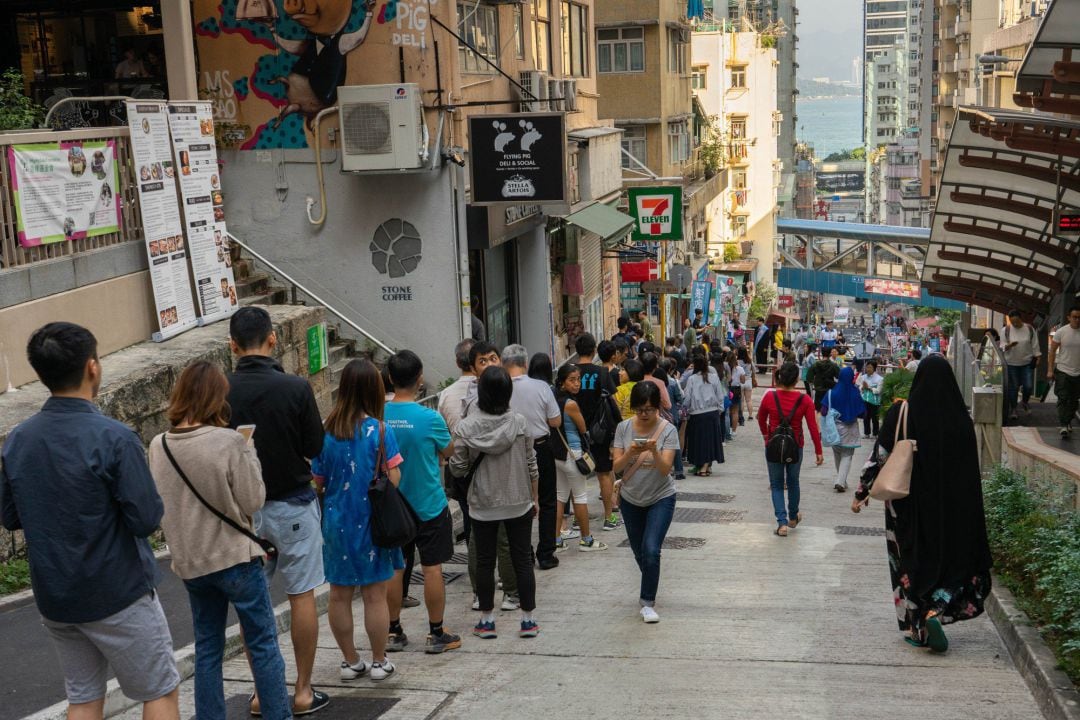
(830,124)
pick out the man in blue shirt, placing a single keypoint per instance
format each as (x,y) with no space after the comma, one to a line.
(424,440)
(77,484)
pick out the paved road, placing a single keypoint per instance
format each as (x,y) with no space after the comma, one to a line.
(753,626)
(30,677)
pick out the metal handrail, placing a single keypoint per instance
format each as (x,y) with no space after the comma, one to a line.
(296,285)
(88,98)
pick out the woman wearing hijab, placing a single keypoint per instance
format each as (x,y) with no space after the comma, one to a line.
(939,557)
(846,400)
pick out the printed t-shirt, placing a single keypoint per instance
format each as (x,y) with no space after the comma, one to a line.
(421,433)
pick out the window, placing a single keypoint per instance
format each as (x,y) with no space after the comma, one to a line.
(738,129)
(697,77)
(519,32)
(620,50)
(575,33)
(541,12)
(677,51)
(678,142)
(738,76)
(738,226)
(633,142)
(738,179)
(479,25)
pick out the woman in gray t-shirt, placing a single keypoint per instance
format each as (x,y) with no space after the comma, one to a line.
(644,452)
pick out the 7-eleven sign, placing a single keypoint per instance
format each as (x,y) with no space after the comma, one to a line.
(657,213)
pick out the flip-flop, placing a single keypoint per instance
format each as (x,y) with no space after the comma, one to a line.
(935,636)
(794,523)
(254,713)
(319,700)
(781,534)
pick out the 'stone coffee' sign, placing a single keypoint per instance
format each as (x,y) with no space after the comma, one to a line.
(518,159)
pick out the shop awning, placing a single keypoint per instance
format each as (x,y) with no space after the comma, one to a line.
(604,220)
(994,240)
(1049,77)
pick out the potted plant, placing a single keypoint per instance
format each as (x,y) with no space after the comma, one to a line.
(711,149)
(17,111)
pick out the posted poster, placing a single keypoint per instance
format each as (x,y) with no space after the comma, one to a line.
(151,153)
(64,191)
(700,297)
(192,126)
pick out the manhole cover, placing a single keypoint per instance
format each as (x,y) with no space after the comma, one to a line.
(417,577)
(674,543)
(854,530)
(340,708)
(460,558)
(706,515)
(705,497)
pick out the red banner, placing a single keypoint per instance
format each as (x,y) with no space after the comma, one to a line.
(639,271)
(898,288)
(785,301)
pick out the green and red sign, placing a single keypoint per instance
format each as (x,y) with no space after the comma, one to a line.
(657,213)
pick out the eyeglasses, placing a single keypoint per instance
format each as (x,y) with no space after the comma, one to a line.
(646,411)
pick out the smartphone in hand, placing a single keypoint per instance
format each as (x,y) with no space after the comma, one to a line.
(248,431)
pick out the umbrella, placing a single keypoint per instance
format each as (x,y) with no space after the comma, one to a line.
(695,9)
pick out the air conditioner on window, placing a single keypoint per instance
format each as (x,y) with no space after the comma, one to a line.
(382,128)
(555,94)
(570,95)
(536,83)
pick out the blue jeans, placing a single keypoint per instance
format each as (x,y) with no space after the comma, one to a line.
(646,528)
(244,586)
(777,473)
(1021,377)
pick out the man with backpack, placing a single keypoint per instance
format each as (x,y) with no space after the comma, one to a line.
(596,400)
(780,417)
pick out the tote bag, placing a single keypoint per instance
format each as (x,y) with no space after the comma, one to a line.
(393,523)
(894,479)
(830,433)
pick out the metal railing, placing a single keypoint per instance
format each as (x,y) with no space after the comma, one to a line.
(12,254)
(298,287)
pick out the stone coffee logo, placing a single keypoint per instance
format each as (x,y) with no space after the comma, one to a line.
(519,157)
(396,251)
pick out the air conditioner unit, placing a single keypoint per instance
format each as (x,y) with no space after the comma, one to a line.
(555,94)
(382,128)
(537,84)
(570,95)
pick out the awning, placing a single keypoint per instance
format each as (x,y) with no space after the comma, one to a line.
(994,240)
(604,220)
(1050,67)
(746,265)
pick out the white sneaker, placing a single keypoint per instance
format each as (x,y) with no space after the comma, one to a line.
(649,615)
(351,672)
(571,533)
(510,602)
(1064,431)
(381,671)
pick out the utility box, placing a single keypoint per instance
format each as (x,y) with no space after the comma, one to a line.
(382,128)
(986,405)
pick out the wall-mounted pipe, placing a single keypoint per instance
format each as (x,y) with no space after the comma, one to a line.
(318,169)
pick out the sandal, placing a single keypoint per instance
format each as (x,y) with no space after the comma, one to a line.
(782,531)
(794,523)
(319,700)
(935,636)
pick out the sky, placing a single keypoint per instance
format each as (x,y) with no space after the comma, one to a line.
(830,35)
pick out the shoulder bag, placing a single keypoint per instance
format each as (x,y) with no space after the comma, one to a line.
(830,433)
(893,481)
(586,465)
(393,522)
(268,547)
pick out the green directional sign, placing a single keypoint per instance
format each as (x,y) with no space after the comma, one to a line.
(318,356)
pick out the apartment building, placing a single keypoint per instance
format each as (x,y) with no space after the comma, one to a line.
(735,82)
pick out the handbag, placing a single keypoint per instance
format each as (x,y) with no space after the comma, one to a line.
(869,397)
(393,522)
(893,481)
(267,547)
(586,465)
(830,433)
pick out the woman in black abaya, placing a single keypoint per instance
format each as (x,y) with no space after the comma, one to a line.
(939,558)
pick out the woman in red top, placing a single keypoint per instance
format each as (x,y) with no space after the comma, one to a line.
(769,417)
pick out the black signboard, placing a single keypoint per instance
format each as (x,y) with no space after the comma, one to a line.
(518,159)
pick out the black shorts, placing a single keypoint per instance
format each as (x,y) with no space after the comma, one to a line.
(602,455)
(435,539)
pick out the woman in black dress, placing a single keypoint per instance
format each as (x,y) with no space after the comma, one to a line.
(939,557)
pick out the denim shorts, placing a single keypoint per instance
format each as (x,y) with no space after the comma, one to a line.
(296,531)
(134,642)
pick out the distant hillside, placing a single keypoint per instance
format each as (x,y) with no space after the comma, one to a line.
(812,88)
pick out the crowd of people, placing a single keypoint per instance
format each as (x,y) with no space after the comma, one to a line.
(250,483)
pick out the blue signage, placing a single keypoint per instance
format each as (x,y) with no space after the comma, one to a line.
(700,295)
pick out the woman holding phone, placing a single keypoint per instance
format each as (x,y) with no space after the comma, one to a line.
(644,450)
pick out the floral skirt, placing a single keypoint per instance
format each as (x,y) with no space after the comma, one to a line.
(947,604)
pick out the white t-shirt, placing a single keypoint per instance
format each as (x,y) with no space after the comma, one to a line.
(1067,358)
(1027,344)
(738,376)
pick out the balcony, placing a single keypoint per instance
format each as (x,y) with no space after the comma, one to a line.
(948,99)
(738,153)
(948,65)
(963,25)
(948,32)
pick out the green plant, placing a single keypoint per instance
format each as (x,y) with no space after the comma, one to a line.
(1034,533)
(946,319)
(764,297)
(711,148)
(732,252)
(17,111)
(14,575)
(768,41)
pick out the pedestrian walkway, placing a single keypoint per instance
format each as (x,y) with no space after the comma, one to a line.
(753,626)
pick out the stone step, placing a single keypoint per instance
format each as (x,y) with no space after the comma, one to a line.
(273,296)
(257,284)
(242,268)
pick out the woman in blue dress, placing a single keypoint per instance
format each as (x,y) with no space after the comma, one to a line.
(344,470)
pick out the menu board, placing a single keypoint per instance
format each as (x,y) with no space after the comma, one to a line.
(202,199)
(151,154)
(64,190)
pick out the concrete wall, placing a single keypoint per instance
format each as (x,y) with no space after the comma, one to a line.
(120,311)
(336,261)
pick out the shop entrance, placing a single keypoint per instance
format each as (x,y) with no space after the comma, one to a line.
(493,283)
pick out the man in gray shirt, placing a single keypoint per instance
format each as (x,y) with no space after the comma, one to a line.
(1020,343)
(535,400)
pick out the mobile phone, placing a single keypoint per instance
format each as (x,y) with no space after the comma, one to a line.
(640,440)
(248,431)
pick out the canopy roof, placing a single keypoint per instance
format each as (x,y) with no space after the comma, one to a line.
(1050,70)
(994,240)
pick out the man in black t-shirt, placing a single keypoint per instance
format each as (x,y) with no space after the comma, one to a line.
(595,383)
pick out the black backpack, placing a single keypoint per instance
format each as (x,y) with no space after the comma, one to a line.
(605,420)
(782,446)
